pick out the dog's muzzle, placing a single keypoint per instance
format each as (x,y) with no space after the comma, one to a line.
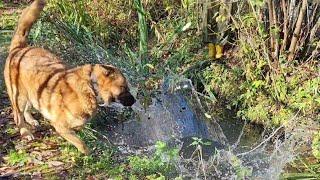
(126,99)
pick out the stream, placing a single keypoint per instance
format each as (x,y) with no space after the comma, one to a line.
(236,150)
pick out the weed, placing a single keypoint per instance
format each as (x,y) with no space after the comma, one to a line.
(241,171)
(161,163)
(316,146)
(11,131)
(17,158)
(199,142)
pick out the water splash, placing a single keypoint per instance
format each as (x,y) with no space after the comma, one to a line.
(176,115)
(169,117)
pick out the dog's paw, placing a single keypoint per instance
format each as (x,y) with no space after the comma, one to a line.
(85,150)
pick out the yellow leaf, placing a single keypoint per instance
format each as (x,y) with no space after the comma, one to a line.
(219,51)
(212,50)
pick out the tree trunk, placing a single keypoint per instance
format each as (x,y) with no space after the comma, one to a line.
(296,33)
(204,20)
(271,25)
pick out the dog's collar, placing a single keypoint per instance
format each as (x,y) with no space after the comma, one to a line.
(94,84)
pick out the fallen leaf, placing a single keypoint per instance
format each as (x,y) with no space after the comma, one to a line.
(55,163)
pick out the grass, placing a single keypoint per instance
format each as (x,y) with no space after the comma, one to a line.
(162,163)
(17,158)
(51,156)
(304,170)
(11,131)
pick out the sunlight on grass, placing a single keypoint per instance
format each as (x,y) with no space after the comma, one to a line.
(18,158)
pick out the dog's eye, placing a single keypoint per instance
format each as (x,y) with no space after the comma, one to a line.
(108,73)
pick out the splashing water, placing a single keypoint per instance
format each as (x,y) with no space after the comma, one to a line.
(173,117)
(170,117)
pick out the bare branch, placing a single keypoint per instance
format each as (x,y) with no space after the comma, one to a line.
(285,25)
(271,24)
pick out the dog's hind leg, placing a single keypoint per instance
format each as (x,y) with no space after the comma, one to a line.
(28,116)
(17,103)
(71,136)
(20,121)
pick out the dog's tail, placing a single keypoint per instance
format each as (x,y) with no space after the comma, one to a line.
(28,17)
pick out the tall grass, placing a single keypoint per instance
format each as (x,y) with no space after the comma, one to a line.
(142,31)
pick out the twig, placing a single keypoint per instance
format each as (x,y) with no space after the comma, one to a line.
(285,25)
(262,143)
(202,162)
(99,133)
(240,136)
(266,140)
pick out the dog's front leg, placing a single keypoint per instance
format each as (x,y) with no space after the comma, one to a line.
(71,136)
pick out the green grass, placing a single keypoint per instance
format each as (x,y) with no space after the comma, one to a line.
(162,163)
(18,158)
(103,162)
(11,131)
(304,170)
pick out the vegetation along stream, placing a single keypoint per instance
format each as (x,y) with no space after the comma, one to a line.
(225,90)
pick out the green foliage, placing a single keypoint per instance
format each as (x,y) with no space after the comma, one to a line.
(316,146)
(264,90)
(305,170)
(11,131)
(242,172)
(259,112)
(8,21)
(96,163)
(271,99)
(161,163)
(222,81)
(17,158)
(108,21)
(199,142)
(142,30)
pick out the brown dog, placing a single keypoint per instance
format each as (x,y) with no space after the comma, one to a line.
(67,97)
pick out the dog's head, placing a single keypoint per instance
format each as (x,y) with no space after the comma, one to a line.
(112,86)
